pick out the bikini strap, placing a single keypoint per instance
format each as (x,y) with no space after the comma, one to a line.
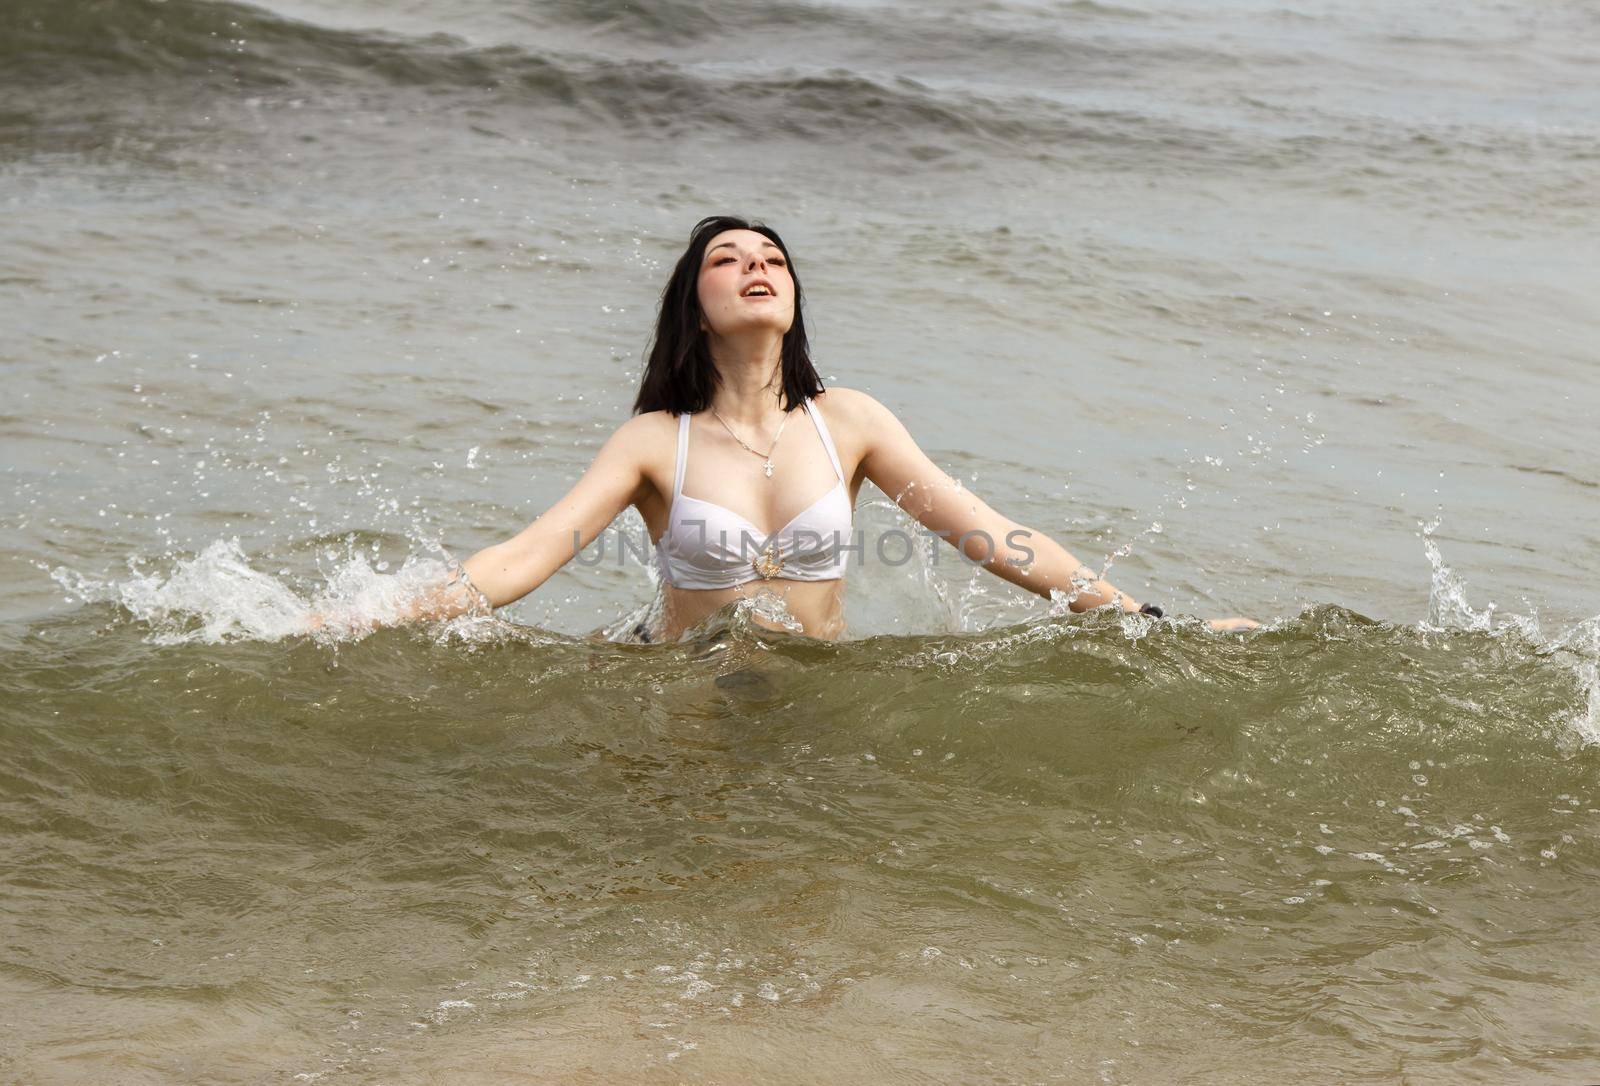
(827,438)
(683,452)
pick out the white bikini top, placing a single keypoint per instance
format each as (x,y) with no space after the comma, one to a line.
(707,545)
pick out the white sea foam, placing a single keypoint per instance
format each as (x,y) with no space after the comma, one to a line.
(219,596)
(214,596)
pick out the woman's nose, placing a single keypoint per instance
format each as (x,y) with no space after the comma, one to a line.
(757,261)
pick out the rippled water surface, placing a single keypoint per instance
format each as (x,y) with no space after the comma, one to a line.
(1281,310)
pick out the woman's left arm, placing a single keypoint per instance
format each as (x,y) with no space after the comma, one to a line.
(1019,554)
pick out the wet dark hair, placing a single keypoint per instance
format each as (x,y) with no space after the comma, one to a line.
(678,373)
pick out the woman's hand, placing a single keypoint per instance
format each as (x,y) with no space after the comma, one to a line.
(321,622)
(1236,624)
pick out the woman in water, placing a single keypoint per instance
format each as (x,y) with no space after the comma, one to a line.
(731,442)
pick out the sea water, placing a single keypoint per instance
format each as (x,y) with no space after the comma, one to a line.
(1281,310)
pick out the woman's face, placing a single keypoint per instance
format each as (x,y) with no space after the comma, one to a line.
(745,285)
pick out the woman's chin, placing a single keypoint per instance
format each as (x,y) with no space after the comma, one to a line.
(753,322)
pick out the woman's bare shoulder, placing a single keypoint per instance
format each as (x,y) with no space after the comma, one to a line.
(648,427)
(847,401)
(643,440)
(851,408)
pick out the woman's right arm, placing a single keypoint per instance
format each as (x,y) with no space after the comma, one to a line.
(507,571)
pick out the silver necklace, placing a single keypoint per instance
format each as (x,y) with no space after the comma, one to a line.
(767,456)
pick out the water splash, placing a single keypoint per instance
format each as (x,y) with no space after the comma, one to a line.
(359,598)
(1450,610)
(212,597)
(764,608)
(218,596)
(1583,643)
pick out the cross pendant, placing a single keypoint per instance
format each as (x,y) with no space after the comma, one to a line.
(769,469)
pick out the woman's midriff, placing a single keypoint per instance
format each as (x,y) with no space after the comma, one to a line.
(817,605)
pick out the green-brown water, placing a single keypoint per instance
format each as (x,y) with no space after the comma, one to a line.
(1283,310)
(1064,852)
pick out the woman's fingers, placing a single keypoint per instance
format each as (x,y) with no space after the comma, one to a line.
(1236,624)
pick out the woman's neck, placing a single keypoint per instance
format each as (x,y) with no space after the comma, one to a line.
(750,389)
